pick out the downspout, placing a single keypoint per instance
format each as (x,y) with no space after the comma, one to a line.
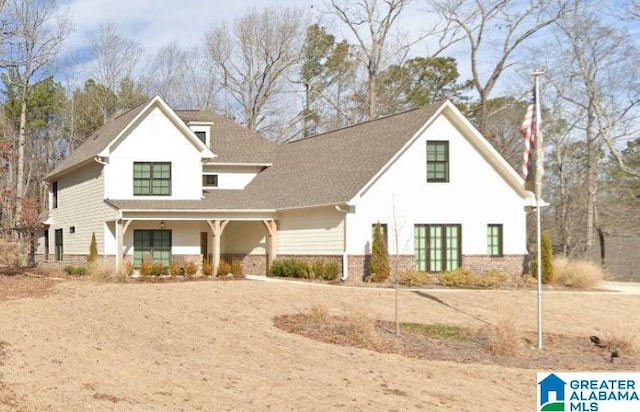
(345,255)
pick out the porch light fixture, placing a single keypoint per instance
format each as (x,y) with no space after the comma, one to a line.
(162,224)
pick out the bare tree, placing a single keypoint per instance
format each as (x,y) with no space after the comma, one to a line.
(495,30)
(254,58)
(371,23)
(593,72)
(38,30)
(185,78)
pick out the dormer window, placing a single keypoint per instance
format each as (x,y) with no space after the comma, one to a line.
(202,136)
(209,180)
(202,130)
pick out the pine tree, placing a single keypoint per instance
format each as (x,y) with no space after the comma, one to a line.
(546,250)
(93,249)
(379,267)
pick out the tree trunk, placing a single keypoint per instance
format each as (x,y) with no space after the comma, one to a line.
(22,250)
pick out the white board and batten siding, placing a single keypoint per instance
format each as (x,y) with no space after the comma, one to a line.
(475,196)
(313,231)
(155,139)
(81,206)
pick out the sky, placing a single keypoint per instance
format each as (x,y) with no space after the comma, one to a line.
(157,23)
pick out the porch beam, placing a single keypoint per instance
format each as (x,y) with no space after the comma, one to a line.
(121,229)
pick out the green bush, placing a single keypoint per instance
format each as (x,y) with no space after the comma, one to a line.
(93,249)
(546,257)
(324,270)
(80,271)
(207,269)
(287,268)
(303,269)
(413,278)
(379,265)
(69,269)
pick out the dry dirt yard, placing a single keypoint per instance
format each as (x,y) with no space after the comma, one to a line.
(77,345)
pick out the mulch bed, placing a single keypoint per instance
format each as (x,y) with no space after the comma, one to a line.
(561,352)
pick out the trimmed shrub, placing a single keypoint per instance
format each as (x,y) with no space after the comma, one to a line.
(207,269)
(68,269)
(458,278)
(286,268)
(236,269)
(175,269)
(93,249)
(579,274)
(157,269)
(379,266)
(191,268)
(145,268)
(413,278)
(491,278)
(303,269)
(546,257)
(80,271)
(223,269)
(324,270)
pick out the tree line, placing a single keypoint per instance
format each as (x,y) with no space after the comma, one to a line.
(289,73)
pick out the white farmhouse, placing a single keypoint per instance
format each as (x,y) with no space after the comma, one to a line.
(178,186)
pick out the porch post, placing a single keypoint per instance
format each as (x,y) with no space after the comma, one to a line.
(217,227)
(121,229)
(272,228)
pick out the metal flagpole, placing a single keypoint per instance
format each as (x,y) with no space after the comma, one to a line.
(537,191)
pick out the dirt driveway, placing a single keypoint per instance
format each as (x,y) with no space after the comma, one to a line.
(213,346)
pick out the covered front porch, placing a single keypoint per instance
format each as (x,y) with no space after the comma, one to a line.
(183,237)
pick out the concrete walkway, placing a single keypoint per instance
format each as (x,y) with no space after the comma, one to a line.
(627,288)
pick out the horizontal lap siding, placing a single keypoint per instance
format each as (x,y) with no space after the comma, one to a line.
(81,204)
(311,232)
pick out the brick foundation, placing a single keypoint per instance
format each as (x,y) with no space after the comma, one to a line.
(511,264)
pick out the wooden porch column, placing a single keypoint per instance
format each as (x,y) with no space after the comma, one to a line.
(121,229)
(217,227)
(272,254)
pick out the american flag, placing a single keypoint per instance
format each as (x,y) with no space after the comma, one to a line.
(532,162)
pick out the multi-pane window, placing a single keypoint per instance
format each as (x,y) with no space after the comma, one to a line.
(210,180)
(151,246)
(437,161)
(152,179)
(494,240)
(54,195)
(437,247)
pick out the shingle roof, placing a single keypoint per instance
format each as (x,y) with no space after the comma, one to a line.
(99,140)
(326,169)
(231,142)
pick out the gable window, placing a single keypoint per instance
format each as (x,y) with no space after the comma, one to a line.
(54,195)
(437,161)
(202,136)
(210,180)
(438,248)
(58,249)
(151,246)
(152,178)
(494,240)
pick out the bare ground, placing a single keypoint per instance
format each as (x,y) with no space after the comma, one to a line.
(78,345)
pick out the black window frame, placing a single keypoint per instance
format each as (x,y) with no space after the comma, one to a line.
(204,180)
(495,239)
(440,246)
(202,136)
(151,236)
(58,248)
(437,163)
(54,195)
(151,179)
